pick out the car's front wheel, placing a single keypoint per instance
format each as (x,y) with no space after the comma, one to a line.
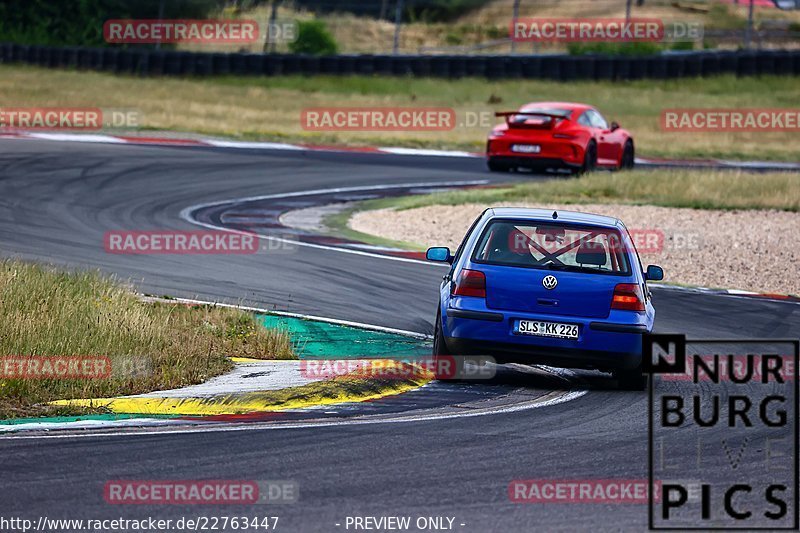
(628,156)
(589,159)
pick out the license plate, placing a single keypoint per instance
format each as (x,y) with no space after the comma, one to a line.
(526,148)
(546,329)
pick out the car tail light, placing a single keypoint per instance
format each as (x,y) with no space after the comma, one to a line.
(470,283)
(564,136)
(628,297)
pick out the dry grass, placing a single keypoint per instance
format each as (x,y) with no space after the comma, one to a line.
(150,346)
(270,108)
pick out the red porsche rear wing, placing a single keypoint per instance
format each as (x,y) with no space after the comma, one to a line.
(547,124)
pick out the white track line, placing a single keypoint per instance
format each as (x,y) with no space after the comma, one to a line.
(187,214)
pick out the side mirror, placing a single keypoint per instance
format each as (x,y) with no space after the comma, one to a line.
(440,254)
(654,273)
(614,126)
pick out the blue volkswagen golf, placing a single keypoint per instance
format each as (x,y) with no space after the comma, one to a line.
(560,288)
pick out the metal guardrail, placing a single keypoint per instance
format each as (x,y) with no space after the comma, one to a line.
(151,62)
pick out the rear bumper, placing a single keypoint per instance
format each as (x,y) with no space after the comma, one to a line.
(558,153)
(604,344)
(558,357)
(534,162)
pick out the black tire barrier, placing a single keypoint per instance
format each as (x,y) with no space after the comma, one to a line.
(309,65)
(124,61)
(200,65)
(255,64)
(568,69)
(692,65)
(84,60)
(729,63)
(327,65)
(347,65)
(401,66)
(153,62)
(382,65)
(622,68)
(160,63)
(421,67)
(458,66)
(783,63)
(273,66)
(676,66)
(584,68)
(638,68)
(657,67)
(747,64)
(710,64)
(551,67)
(221,64)
(766,64)
(110,59)
(238,64)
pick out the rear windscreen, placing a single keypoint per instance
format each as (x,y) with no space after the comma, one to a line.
(553,246)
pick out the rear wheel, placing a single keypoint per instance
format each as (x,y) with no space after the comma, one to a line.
(445,366)
(589,159)
(628,156)
(496,166)
(631,379)
(439,344)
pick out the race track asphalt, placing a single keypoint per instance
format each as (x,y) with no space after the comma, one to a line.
(58,199)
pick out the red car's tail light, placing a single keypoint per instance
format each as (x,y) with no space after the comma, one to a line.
(564,136)
(628,297)
(470,283)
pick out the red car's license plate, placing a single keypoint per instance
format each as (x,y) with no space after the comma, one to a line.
(526,148)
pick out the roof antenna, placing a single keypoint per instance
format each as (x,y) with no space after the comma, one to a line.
(555,215)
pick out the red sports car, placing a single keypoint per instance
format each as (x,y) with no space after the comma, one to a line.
(557,135)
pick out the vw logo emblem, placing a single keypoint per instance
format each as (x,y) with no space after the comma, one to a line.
(549,282)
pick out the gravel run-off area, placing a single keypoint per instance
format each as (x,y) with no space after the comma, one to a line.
(747,250)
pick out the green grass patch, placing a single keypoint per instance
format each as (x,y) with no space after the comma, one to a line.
(337,225)
(668,188)
(150,346)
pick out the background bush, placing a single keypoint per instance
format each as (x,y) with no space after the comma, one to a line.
(313,38)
